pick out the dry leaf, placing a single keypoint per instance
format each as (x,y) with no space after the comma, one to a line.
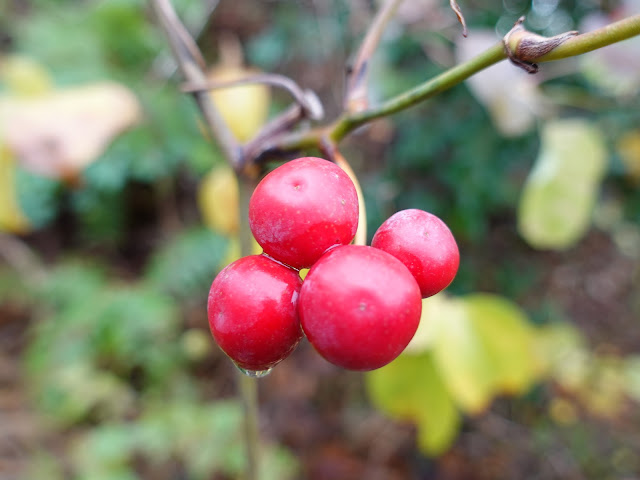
(59,134)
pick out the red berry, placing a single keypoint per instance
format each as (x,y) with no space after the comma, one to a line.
(424,244)
(252,311)
(359,307)
(301,209)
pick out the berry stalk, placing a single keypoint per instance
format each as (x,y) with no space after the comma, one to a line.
(248,386)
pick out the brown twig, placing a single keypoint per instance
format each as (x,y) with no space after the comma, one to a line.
(22,259)
(193,68)
(357,74)
(256,148)
(306,106)
(164,64)
(302,97)
(456,8)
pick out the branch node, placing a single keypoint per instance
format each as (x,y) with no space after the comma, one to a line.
(523,47)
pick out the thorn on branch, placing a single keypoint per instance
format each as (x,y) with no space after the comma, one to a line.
(456,8)
(524,47)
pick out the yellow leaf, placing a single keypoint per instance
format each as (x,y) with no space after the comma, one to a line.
(410,388)
(632,376)
(564,355)
(508,339)
(603,393)
(437,306)
(234,253)
(563,412)
(462,359)
(218,199)
(628,147)
(59,134)
(245,107)
(23,76)
(482,344)
(559,195)
(12,218)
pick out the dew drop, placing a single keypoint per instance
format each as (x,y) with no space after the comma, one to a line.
(255,373)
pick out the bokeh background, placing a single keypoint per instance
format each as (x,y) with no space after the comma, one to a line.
(111,196)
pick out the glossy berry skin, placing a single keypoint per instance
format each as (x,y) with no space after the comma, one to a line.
(424,244)
(252,310)
(359,307)
(301,209)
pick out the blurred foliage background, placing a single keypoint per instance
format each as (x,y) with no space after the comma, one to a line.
(110,200)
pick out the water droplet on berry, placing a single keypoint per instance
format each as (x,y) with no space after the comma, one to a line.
(255,373)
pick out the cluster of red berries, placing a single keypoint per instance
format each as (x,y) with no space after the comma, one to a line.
(359,306)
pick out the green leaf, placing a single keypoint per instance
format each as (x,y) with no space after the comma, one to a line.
(206,436)
(559,195)
(111,444)
(508,339)
(38,197)
(93,336)
(101,214)
(136,43)
(187,264)
(71,282)
(57,36)
(632,376)
(277,463)
(410,388)
(43,463)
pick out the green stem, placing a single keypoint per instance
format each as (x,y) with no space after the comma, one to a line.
(249,395)
(348,122)
(345,124)
(248,386)
(587,42)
